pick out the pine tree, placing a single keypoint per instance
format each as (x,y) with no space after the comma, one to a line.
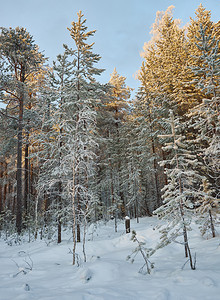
(207,209)
(131,174)
(165,61)
(169,55)
(116,106)
(204,120)
(181,190)
(7,171)
(81,124)
(205,116)
(52,179)
(202,17)
(20,59)
(150,109)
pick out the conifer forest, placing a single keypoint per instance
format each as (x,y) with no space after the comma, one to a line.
(74,151)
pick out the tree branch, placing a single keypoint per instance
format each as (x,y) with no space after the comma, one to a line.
(7,116)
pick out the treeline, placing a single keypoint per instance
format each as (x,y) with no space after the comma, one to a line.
(74,151)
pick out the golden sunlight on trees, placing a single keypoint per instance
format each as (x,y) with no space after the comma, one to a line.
(74,151)
(169,55)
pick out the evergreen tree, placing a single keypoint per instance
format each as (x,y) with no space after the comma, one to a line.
(207,209)
(204,120)
(181,190)
(81,125)
(116,107)
(20,58)
(53,134)
(150,109)
(202,17)
(7,170)
(165,61)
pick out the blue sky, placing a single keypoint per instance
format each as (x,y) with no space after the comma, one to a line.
(122,26)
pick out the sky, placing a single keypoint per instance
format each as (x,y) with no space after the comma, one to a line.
(123,26)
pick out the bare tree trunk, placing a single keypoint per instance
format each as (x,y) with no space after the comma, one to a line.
(59,218)
(113,203)
(14,201)
(26,177)
(19,169)
(84,241)
(19,154)
(116,225)
(5,185)
(212,224)
(165,176)
(127,225)
(186,246)
(78,238)
(137,210)
(60,193)
(121,194)
(36,219)
(74,216)
(26,168)
(192,265)
(1,189)
(156,175)
(59,232)
(10,198)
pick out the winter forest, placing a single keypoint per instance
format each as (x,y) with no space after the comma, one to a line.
(74,152)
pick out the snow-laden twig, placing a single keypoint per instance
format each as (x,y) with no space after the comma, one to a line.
(28,264)
(144,252)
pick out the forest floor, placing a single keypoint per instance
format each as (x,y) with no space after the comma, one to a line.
(38,270)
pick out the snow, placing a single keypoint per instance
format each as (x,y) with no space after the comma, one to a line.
(39,270)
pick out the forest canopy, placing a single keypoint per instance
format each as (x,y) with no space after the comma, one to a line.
(74,151)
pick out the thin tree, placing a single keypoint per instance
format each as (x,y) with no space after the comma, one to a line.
(183,180)
(81,123)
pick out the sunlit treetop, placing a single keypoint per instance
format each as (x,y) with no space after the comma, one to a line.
(79,33)
(120,90)
(17,47)
(161,18)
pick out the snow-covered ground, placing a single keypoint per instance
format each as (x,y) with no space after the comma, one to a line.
(107,274)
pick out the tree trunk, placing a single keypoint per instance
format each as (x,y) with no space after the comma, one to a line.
(137,210)
(36,219)
(74,216)
(185,240)
(19,156)
(212,224)
(1,187)
(113,203)
(192,265)
(156,174)
(127,225)
(186,246)
(19,171)
(78,219)
(26,177)
(121,194)
(27,169)
(165,175)
(78,231)
(5,185)
(59,232)
(84,241)
(59,217)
